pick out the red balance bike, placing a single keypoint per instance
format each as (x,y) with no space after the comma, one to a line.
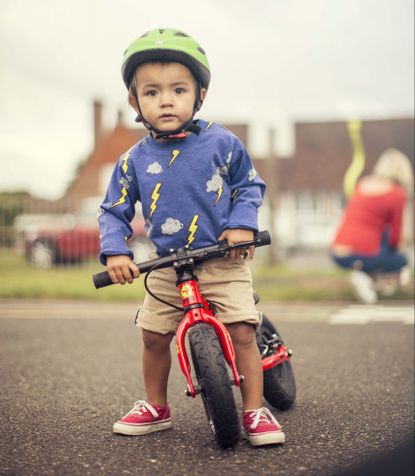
(211,348)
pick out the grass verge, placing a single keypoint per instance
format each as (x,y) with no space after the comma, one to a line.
(280,283)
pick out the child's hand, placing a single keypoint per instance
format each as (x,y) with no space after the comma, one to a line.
(122,269)
(238,235)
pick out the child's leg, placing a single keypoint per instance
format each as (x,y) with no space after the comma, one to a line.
(248,362)
(156,366)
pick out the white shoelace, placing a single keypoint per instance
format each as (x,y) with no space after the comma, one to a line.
(141,406)
(264,415)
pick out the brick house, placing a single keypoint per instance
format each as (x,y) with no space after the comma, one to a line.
(310,182)
(307,186)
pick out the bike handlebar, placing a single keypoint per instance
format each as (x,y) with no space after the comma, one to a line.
(198,255)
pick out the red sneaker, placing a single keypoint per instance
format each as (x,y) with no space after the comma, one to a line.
(143,418)
(262,428)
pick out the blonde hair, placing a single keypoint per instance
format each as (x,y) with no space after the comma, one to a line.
(394,165)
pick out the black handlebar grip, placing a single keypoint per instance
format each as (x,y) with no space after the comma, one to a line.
(264,238)
(102,279)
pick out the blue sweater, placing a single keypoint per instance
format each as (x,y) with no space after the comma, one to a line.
(190,191)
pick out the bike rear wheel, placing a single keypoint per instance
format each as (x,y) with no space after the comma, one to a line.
(279,381)
(216,390)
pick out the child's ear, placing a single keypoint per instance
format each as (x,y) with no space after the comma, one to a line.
(132,101)
(199,102)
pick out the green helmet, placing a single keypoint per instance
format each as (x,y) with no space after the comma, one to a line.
(166,45)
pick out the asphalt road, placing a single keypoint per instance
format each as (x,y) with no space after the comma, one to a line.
(68,370)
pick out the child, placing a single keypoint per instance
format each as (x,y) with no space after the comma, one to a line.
(196,185)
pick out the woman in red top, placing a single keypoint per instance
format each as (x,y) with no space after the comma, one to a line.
(370,234)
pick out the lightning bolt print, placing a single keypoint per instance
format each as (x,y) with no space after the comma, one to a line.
(122,198)
(220,191)
(192,228)
(124,189)
(155,196)
(125,160)
(174,154)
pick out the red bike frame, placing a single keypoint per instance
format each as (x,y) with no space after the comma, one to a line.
(197,309)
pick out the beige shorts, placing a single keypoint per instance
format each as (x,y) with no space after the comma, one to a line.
(226,282)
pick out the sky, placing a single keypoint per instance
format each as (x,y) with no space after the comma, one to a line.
(273,63)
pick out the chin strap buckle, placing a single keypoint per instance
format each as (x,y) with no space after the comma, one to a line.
(179,135)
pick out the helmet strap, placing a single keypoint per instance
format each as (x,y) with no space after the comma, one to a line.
(180,133)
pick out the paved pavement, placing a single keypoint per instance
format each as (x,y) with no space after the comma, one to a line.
(68,369)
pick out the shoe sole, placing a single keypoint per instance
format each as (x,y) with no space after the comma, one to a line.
(137,430)
(266,439)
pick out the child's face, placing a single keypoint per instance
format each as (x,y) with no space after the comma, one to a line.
(166,93)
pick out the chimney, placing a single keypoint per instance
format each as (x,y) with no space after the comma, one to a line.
(97,122)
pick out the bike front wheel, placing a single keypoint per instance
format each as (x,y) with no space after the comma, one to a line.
(279,381)
(216,390)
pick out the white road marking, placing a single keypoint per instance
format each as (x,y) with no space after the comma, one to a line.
(363,314)
(277,312)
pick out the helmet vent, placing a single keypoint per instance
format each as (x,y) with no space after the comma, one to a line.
(180,33)
(161,31)
(201,50)
(144,35)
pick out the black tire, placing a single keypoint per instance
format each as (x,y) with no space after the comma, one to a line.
(279,382)
(212,375)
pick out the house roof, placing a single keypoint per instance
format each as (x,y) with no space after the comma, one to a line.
(323,152)
(111,145)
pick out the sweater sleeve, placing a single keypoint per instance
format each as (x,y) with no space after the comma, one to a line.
(247,190)
(396,216)
(118,210)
